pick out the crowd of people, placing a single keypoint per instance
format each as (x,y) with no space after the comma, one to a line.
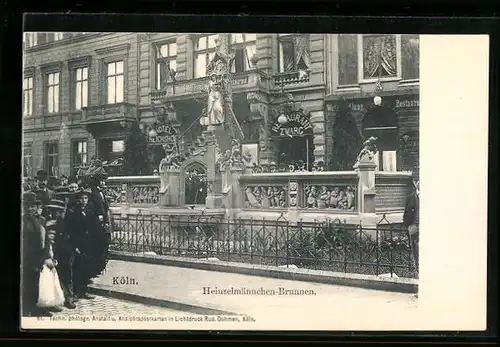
(66,227)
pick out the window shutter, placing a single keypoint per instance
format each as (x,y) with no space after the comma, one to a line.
(45,97)
(163,73)
(72,89)
(104,83)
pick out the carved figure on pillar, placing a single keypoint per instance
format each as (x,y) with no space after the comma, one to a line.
(368,151)
(219,85)
(215,103)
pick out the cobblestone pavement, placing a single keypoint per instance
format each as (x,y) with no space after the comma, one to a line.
(103,306)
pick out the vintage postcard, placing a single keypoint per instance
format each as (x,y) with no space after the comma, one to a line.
(239,181)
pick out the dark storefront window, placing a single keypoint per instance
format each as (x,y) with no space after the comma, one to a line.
(298,150)
(381,122)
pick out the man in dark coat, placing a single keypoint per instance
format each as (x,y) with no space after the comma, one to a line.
(102,235)
(43,193)
(35,254)
(411,219)
(81,221)
(63,250)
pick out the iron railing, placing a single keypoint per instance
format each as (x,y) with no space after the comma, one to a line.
(322,245)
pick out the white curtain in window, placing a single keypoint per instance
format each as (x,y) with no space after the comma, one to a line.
(119,88)
(389,161)
(249,53)
(302,56)
(85,92)
(200,65)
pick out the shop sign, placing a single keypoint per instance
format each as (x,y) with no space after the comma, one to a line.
(406,103)
(165,135)
(297,125)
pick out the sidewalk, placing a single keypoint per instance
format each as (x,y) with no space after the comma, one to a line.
(182,289)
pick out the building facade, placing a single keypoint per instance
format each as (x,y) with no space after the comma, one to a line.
(82,91)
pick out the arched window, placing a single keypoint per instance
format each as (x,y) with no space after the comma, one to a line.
(195,179)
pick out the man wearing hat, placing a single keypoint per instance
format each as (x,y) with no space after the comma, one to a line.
(34,256)
(63,250)
(411,218)
(63,181)
(43,193)
(81,221)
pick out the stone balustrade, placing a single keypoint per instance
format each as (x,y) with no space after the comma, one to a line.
(136,190)
(335,191)
(351,195)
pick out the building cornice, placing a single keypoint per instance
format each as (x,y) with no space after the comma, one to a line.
(414,90)
(50,67)
(29,71)
(63,42)
(123,48)
(80,61)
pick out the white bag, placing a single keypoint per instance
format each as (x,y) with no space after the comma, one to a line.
(50,293)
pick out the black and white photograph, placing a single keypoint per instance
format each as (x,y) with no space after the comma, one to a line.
(221,181)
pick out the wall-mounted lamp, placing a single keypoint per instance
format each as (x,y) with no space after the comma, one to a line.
(152,133)
(282,119)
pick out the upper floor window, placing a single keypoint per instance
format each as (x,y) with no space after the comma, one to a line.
(52,158)
(79,156)
(294,53)
(244,47)
(28,96)
(166,56)
(204,51)
(410,57)
(80,87)
(52,92)
(115,82)
(31,39)
(379,57)
(373,57)
(28,160)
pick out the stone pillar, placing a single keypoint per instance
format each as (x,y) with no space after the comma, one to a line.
(318,122)
(170,193)
(227,194)
(237,197)
(293,200)
(259,109)
(366,187)
(214,177)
